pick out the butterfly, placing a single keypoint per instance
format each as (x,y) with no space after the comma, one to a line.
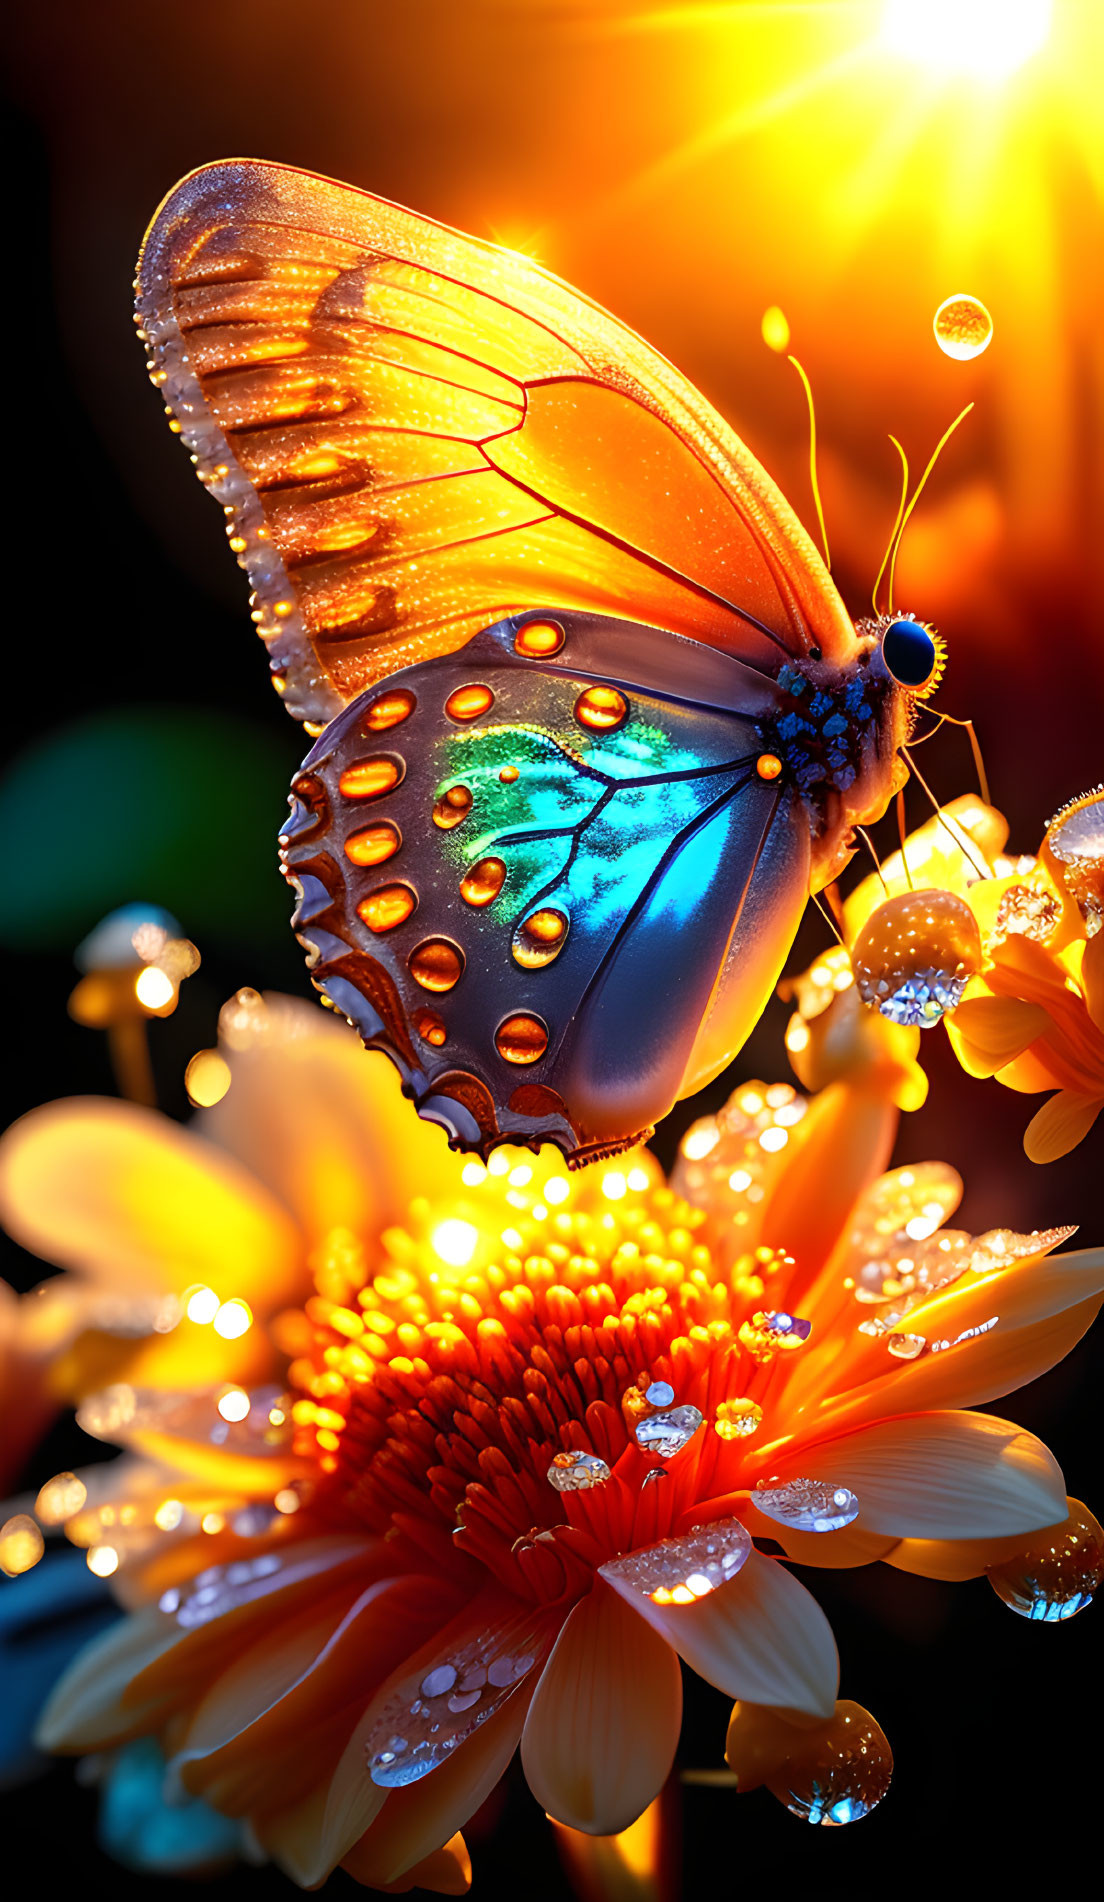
(591,721)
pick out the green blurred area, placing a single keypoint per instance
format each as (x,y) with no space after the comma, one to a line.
(179,804)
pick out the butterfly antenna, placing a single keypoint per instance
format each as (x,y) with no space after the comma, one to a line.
(829,919)
(896,520)
(917,493)
(813,460)
(902,835)
(869,844)
(962,839)
(975,746)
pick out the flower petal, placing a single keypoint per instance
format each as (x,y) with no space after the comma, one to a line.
(1060,1125)
(760,1636)
(988,1032)
(603,1726)
(938,1476)
(446,1872)
(420,1819)
(324,1124)
(122,1194)
(494,1617)
(842,1143)
(952,1559)
(86,1707)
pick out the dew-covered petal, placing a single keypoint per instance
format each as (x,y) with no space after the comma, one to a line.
(939,1476)
(432,1705)
(322,1123)
(124,1195)
(841,1145)
(226,1437)
(1063,1122)
(760,1635)
(423,1817)
(603,1725)
(244,1738)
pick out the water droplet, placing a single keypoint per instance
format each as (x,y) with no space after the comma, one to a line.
(906,1346)
(1074,851)
(665,1434)
(387,907)
(829,1774)
(441,1679)
(540,938)
(467,703)
(653,1475)
(452,807)
(521,1039)
(963,327)
(537,640)
(374,844)
(1058,1571)
(577,1472)
(1026,911)
(371,778)
(463,1700)
(775,328)
(773,1331)
(430,1026)
(388,709)
(737,1419)
(807,1505)
(601,709)
(483,882)
(677,1571)
(508,775)
(915,955)
(436,964)
(660,1394)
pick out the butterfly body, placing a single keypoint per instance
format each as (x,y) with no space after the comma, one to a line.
(591,719)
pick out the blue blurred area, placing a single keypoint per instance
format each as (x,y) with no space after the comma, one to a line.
(152,1836)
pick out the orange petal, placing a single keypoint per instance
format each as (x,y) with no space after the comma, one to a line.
(842,1143)
(952,1559)
(636,1865)
(938,1476)
(761,1635)
(446,1872)
(124,1195)
(1092,977)
(324,1124)
(421,1818)
(988,1032)
(90,1706)
(1060,1125)
(603,1726)
(311,1669)
(493,1614)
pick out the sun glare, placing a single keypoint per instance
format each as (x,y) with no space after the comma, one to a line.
(984,39)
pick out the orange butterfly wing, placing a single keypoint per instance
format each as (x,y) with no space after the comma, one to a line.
(414,434)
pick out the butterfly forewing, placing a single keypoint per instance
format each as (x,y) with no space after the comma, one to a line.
(521,872)
(412,432)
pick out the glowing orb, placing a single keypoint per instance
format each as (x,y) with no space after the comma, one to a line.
(776,331)
(983,39)
(963,327)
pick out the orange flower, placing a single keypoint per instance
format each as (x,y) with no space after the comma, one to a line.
(529,1441)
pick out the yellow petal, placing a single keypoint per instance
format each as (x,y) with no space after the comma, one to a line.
(324,1124)
(122,1194)
(1063,1121)
(604,1722)
(952,1559)
(988,1032)
(842,1143)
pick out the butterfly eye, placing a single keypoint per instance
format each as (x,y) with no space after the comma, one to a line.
(910,653)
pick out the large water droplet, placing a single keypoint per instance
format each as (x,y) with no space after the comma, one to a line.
(601,709)
(1074,852)
(387,907)
(483,882)
(540,938)
(452,807)
(521,1038)
(666,1433)
(436,964)
(915,955)
(678,1571)
(838,1772)
(467,703)
(963,327)
(537,640)
(807,1505)
(1057,1573)
(575,1472)
(371,778)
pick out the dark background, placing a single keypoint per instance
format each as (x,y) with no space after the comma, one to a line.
(148,759)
